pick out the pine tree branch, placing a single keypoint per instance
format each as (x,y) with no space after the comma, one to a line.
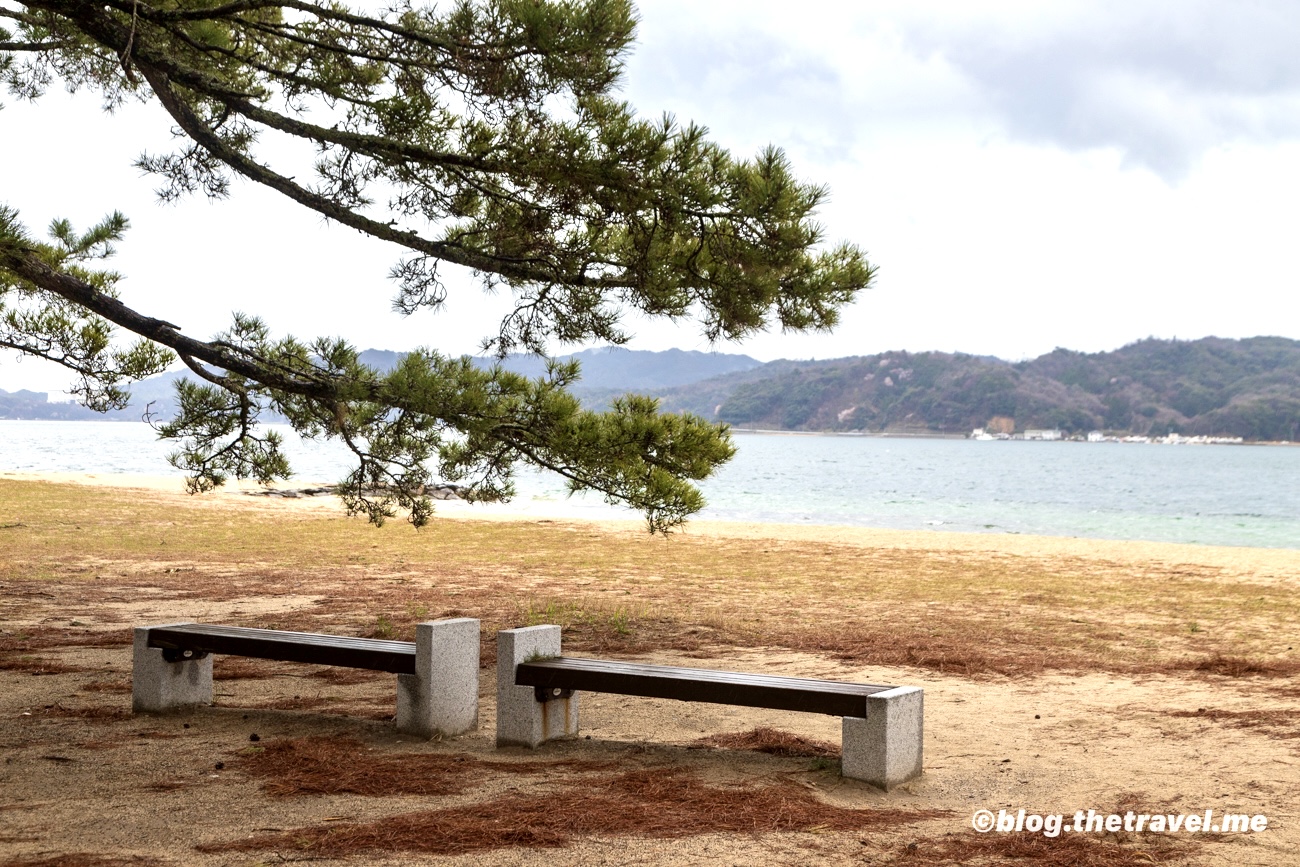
(27,265)
(520,269)
(34,46)
(207,14)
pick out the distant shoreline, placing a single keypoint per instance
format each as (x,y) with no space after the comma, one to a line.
(756,432)
(954,436)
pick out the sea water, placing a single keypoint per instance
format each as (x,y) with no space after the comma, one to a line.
(1203,494)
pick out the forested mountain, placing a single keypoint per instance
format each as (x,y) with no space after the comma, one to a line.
(1248,388)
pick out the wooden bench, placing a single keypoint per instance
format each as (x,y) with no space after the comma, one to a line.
(437,674)
(537,701)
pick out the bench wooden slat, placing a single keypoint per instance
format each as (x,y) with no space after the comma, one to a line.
(397,657)
(699,684)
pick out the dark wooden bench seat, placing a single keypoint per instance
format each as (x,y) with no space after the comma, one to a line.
(195,640)
(538,691)
(437,674)
(697,684)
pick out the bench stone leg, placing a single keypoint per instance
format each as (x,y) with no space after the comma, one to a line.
(158,686)
(885,748)
(441,698)
(522,720)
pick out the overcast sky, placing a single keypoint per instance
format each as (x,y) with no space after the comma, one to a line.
(1026,175)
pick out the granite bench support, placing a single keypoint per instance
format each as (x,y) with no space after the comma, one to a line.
(538,690)
(522,720)
(437,674)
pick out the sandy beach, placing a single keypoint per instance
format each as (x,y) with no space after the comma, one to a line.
(1053,703)
(1268,565)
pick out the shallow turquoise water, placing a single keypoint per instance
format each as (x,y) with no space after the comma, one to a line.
(1217,495)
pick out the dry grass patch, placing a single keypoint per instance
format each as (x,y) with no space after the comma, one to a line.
(978,648)
(1277,724)
(965,648)
(618,592)
(1235,666)
(656,803)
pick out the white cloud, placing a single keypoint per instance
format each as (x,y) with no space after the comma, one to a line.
(1162,80)
(1027,175)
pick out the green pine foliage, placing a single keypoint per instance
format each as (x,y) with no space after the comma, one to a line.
(483,135)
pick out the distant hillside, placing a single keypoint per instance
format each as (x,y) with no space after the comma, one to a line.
(35,404)
(611,371)
(606,373)
(1248,388)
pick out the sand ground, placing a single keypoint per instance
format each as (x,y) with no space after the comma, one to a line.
(83,777)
